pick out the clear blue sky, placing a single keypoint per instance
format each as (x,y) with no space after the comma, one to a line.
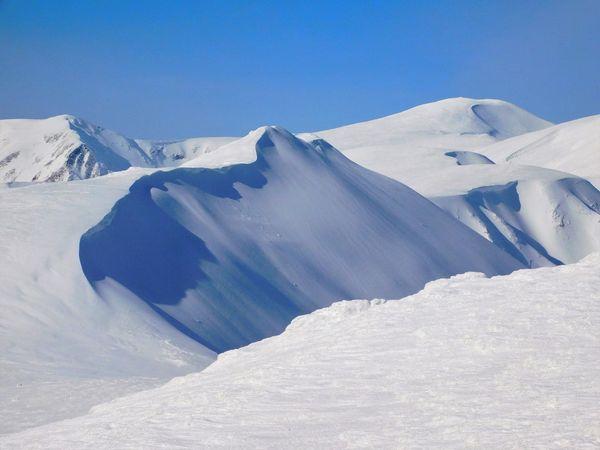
(169,69)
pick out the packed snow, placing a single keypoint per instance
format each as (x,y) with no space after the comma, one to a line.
(506,362)
(230,256)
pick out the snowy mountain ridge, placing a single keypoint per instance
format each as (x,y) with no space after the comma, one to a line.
(66,148)
(63,148)
(469,120)
(230,255)
(175,153)
(444,151)
(275,221)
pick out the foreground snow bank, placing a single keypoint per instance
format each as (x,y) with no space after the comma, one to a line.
(510,361)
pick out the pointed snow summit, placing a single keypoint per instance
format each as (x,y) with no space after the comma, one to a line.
(63,148)
(231,255)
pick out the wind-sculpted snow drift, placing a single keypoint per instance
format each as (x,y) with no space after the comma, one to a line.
(231,255)
(548,219)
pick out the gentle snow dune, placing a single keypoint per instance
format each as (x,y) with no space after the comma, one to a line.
(571,147)
(63,148)
(541,217)
(507,362)
(231,255)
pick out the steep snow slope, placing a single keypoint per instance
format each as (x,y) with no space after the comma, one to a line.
(507,362)
(541,217)
(62,348)
(63,148)
(571,147)
(231,255)
(174,153)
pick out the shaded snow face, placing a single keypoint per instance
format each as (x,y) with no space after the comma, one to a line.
(229,256)
(464,158)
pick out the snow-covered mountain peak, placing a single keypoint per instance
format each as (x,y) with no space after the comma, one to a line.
(63,148)
(280,228)
(248,148)
(489,119)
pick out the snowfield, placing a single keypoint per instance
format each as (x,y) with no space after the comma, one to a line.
(62,348)
(62,343)
(541,217)
(127,276)
(506,362)
(571,147)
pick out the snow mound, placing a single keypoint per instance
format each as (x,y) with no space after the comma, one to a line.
(464,118)
(63,148)
(506,362)
(572,147)
(231,255)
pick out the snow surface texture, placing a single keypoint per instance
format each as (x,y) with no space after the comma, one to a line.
(62,348)
(571,147)
(541,217)
(230,256)
(506,362)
